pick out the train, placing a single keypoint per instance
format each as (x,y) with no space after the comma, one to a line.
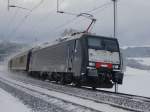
(82,59)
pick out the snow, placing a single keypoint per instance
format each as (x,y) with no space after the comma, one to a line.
(69,98)
(136,82)
(9,103)
(143,61)
(126,47)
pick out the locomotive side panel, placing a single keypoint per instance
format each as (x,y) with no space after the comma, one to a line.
(53,58)
(77,60)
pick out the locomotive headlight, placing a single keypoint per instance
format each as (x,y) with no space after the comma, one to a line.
(116,66)
(91,64)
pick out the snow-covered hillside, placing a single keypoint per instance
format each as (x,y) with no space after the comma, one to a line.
(10,103)
(144,61)
(137,57)
(7,48)
(136,82)
(137,51)
(137,75)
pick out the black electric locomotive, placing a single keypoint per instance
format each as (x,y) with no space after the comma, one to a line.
(82,59)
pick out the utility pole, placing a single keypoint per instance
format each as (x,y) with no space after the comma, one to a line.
(115,30)
(115,17)
(8,4)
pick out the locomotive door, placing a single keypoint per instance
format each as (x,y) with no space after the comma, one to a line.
(70,56)
(76,61)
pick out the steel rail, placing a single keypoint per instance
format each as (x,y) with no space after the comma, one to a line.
(131,102)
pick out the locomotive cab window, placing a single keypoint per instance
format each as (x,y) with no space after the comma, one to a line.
(111,45)
(95,43)
(103,44)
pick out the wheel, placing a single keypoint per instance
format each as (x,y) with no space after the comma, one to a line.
(78,84)
(42,76)
(56,77)
(116,87)
(62,80)
(93,88)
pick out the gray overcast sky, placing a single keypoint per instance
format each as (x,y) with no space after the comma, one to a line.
(44,24)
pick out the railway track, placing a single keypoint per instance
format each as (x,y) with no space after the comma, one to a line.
(119,100)
(84,103)
(40,102)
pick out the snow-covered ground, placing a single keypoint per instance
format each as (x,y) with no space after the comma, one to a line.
(143,61)
(136,82)
(125,47)
(56,98)
(9,103)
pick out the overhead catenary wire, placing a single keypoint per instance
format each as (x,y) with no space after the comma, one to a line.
(25,18)
(100,7)
(69,13)
(11,20)
(13,32)
(46,16)
(38,5)
(73,14)
(65,24)
(77,15)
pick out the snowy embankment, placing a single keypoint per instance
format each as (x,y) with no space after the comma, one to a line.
(68,102)
(90,99)
(143,61)
(10,104)
(136,82)
(84,100)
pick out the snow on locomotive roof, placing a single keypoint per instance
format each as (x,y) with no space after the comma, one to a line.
(57,41)
(66,38)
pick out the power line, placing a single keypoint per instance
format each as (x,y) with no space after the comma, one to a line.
(65,24)
(100,7)
(25,18)
(44,17)
(18,26)
(74,14)
(38,5)
(90,11)
(12,19)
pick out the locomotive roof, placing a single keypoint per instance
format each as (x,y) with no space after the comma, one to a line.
(67,38)
(60,40)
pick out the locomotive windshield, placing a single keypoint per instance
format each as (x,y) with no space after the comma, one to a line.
(102,43)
